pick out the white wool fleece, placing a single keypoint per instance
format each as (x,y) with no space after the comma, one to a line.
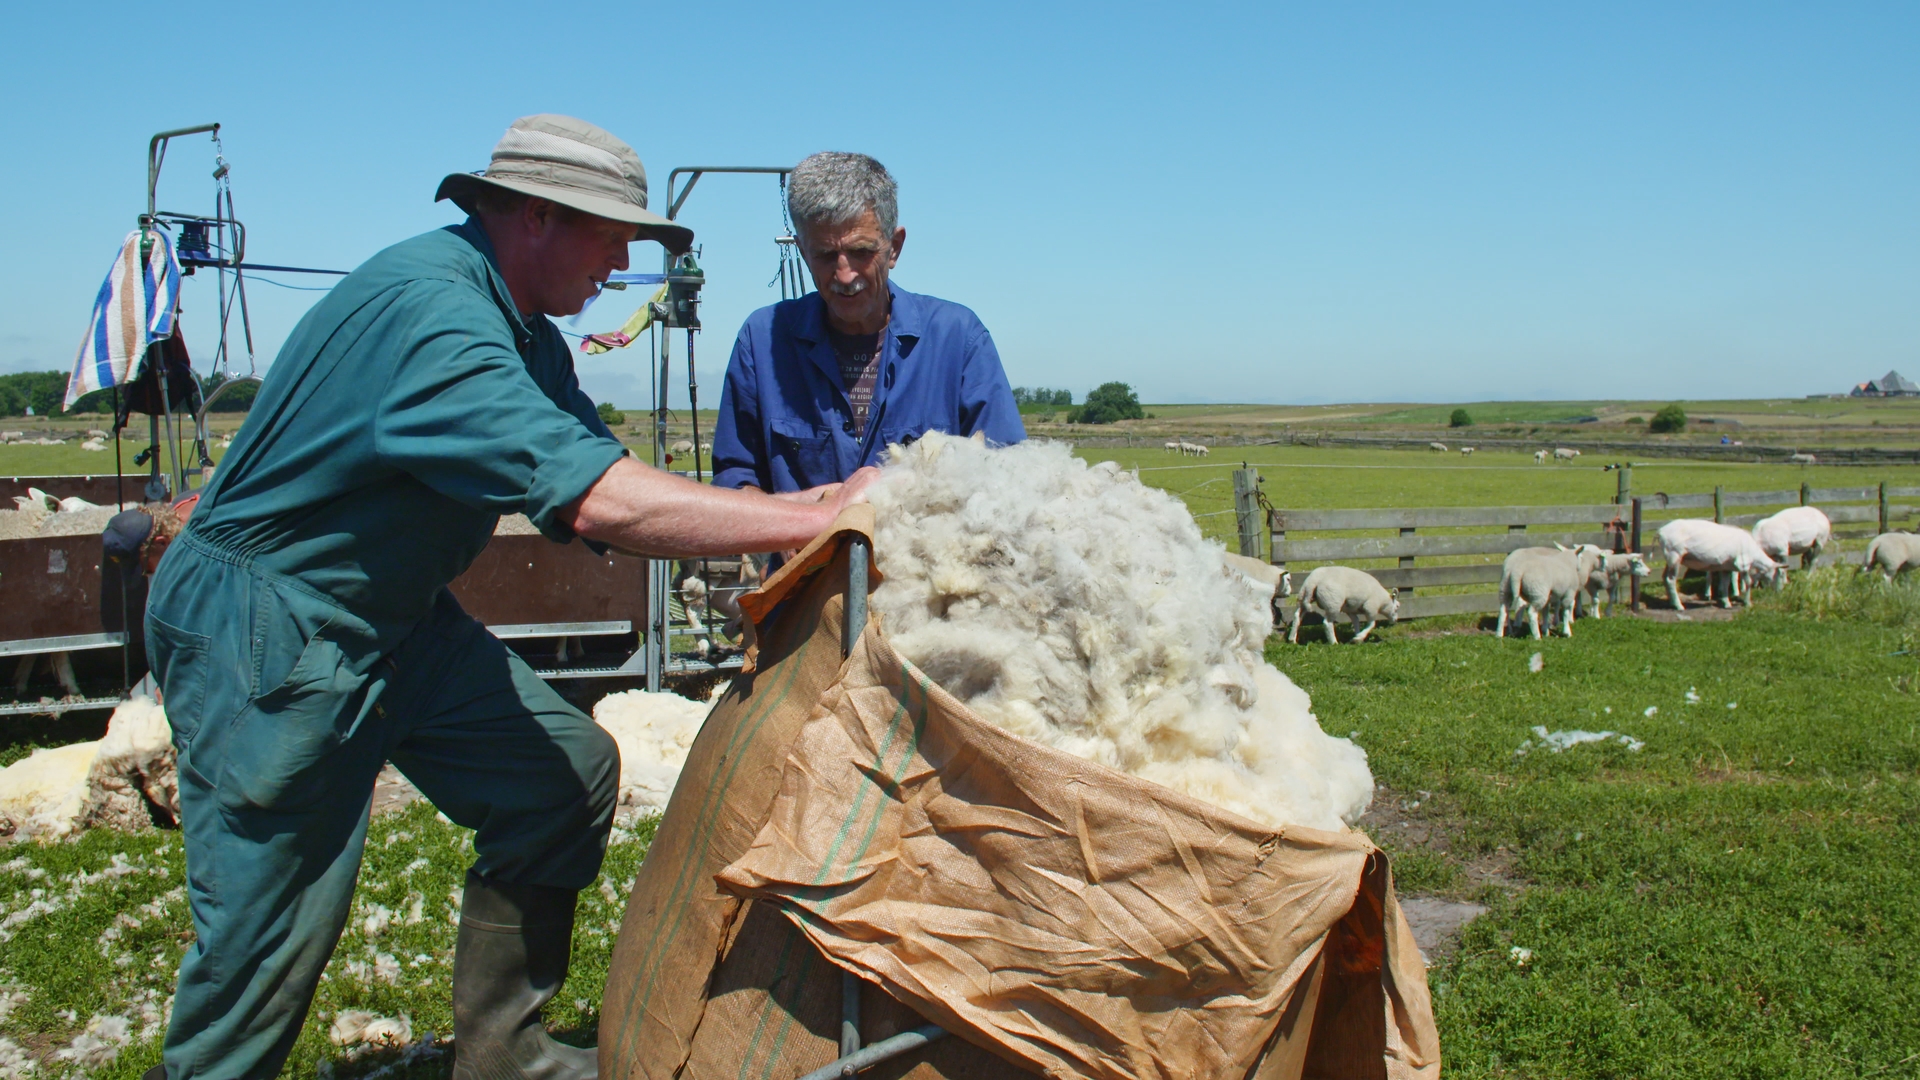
(1079,608)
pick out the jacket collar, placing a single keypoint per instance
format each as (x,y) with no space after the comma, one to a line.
(473,233)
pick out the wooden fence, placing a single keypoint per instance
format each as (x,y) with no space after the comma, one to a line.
(1496,530)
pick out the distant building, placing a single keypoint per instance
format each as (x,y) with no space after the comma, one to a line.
(1892,384)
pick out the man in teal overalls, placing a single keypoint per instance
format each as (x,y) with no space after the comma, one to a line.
(303,635)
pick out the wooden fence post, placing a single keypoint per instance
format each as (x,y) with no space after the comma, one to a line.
(1883,506)
(1407,562)
(1246,509)
(1633,544)
(1806,493)
(1719,514)
(1625,493)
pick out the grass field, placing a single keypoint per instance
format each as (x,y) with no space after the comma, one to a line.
(1736,898)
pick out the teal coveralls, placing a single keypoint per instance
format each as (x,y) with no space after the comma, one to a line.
(302,632)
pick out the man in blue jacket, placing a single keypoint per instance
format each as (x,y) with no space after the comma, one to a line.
(820,386)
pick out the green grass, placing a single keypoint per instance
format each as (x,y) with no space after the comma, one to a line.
(1323,478)
(114,944)
(1735,899)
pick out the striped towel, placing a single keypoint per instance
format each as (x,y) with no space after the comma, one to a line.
(135,308)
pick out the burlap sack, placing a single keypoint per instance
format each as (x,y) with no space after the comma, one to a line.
(1057,916)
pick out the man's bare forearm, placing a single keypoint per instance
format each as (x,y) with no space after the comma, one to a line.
(641,509)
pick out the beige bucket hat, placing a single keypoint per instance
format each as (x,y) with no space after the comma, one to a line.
(575,164)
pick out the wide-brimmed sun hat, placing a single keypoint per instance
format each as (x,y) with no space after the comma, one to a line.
(575,164)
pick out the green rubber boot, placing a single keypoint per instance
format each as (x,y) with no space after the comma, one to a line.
(510,960)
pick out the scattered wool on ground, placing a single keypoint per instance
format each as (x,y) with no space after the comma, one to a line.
(1077,607)
(58,792)
(352,1026)
(653,732)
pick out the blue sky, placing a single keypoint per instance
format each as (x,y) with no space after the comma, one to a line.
(1275,203)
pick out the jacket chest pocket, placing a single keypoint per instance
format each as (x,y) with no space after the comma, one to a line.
(808,450)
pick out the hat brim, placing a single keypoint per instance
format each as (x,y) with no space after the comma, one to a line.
(675,237)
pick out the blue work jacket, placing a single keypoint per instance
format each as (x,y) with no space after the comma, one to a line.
(785,422)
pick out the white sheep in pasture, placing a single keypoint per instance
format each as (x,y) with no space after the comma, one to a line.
(1271,581)
(1611,569)
(1195,449)
(1545,579)
(1802,459)
(1465,450)
(1539,457)
(1699,544)
(684,446)
(1893,553)
(93,444)
(1437,447)
(1173,448)
(1561,453)
(1797,530)
(12,436)
(96,433)
(1332,591)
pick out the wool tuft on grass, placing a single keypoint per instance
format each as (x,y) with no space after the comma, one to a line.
(653,732)
(1073,605)
(122,781)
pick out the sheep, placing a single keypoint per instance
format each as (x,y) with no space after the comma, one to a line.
(1273,582)
(1561,453)
(93,444)
(1894,553)
(1802,459)
(1698,544)
(1437,447)
(684,446)
(1331,591)
(1194,449)
(1539,457)
(96,433)
(1611,569)
(1545,579)
(1465,450)
(12,436)
(1172,448)
(709,586)
(126,780)
(1797,530)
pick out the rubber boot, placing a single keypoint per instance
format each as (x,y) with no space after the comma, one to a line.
(510,959)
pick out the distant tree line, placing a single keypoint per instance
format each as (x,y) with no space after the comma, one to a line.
(1039,397)
(42,391)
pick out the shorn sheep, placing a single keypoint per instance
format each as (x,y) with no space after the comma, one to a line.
(1563,454)
(1545,580)
(1893,554)
(1539,457)
(1698,544)
(1465,450)
(1437,447)
(1333,591)
(1802,459)
(1797,530)
(1611,569)
(1273,583)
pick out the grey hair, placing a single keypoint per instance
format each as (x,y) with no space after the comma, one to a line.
(833,188)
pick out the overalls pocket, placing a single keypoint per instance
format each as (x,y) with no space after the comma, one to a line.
(179,661)
(280,752)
